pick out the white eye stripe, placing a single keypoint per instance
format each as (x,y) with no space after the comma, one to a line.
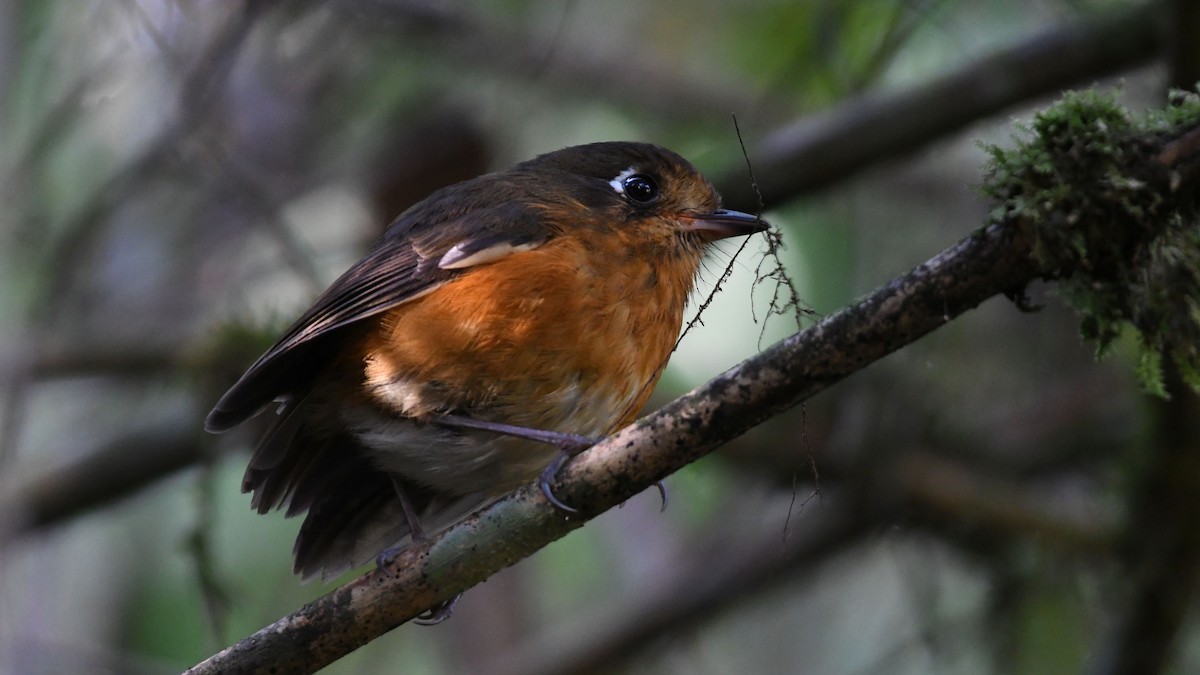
(618,183)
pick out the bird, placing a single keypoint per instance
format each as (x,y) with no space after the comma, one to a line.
(497,328)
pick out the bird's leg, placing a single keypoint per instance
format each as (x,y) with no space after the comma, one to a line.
(441,611)
(569,445)
(410,511)
(387,555)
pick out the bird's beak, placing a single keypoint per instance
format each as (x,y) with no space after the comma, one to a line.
(723,223)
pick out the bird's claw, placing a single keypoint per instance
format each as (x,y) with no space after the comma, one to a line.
(387,556)
(550,474)
(547,478)
(438,613)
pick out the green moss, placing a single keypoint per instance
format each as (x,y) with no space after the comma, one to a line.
(1115,226)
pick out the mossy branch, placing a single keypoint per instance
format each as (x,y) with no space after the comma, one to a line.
(1089,198)
(1110,200)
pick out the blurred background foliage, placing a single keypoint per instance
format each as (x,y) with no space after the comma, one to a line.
(180,178)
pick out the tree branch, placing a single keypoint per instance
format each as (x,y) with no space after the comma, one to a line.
(115,470)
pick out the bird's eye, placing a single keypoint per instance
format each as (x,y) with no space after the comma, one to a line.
(640,188)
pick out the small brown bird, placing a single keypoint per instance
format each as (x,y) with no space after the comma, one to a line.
(496,324)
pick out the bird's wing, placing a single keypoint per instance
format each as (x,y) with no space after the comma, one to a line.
(427,246)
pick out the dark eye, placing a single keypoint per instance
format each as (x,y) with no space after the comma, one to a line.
(640,188)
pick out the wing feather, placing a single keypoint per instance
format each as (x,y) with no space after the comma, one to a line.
(402,266)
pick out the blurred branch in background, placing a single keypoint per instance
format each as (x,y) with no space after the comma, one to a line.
(66,258)
(816,151)
(1161,546)
(730,569)
(714,576)
(104,475)
(478,39)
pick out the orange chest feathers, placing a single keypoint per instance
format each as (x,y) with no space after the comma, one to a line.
(540,338)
